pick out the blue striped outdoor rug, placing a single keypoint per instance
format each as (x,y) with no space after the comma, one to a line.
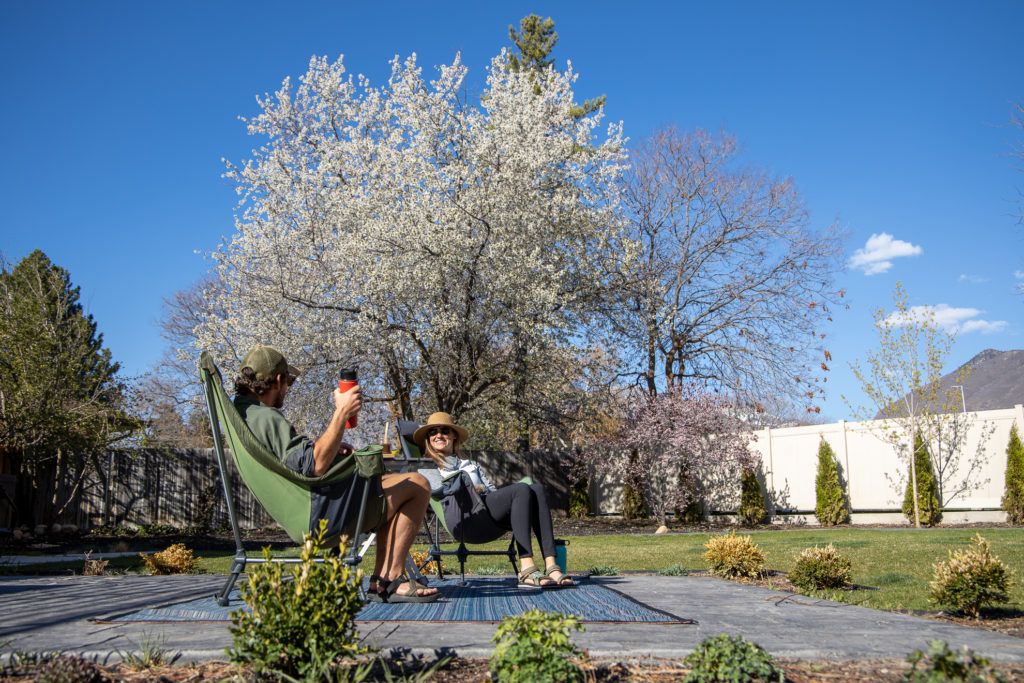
(483,599)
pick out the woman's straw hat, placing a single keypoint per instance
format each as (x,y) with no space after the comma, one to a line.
(439,420)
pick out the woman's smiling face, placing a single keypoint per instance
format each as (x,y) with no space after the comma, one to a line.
(442,439)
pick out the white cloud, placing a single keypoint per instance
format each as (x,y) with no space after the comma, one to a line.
(948,318)
(878,253)
(1019,274)
(973,279)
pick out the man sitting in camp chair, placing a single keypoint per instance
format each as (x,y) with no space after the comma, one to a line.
(261,389)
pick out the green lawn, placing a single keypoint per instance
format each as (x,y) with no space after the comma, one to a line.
(893,565)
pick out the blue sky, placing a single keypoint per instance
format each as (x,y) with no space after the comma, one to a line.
(891,117)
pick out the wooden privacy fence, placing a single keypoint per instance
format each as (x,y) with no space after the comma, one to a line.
(182,487)
(179,488)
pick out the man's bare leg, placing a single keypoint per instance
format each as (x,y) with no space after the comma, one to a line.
(407,497)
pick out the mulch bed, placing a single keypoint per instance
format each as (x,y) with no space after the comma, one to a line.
(475,670)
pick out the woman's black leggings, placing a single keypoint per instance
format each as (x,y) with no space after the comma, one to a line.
(519,508)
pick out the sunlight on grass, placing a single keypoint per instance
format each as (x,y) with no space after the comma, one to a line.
(891,567)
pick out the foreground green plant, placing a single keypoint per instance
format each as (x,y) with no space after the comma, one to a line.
(971,579)
(940,664)
(535,647)
(731,658)
(821,569)
(302,619)
(734,556)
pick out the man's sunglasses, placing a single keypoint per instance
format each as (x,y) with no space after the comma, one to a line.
(439,430)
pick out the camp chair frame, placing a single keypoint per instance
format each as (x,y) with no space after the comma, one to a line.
(435,552)
(353,556)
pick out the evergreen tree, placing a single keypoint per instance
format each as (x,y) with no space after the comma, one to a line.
(1013,498)
(830,499)
(927,487)
(752,510)
(579,498)
(633,504)
(535,41)
(60,400)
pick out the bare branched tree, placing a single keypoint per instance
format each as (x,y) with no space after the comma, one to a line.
(732,285)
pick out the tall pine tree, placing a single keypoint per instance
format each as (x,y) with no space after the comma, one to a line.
(830,500)
(61,403)
(927,487)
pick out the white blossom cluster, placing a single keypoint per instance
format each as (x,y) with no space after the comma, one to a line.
(419,232)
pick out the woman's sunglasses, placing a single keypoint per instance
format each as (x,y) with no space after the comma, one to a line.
(439,430)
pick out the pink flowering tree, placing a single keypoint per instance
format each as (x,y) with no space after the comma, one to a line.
(683,439)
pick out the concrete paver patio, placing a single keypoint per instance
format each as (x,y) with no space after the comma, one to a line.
(52,613)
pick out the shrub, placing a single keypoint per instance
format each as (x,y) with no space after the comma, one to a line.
(971,579)
(579,498)
(69,669)
(830,500)
(734,556)
(927,487)
(1013,498)
(536,646)
(302,619)
(821,569)
(177,559)
(421,556)
(731,658)
(941,664)
(752,510)
(633,504)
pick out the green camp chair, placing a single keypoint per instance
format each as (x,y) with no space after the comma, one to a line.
(412,452)
(284,493)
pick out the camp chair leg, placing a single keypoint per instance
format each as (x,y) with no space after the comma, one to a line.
(512,555)
(237,567)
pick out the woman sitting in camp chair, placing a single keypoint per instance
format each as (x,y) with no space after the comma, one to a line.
(518,508)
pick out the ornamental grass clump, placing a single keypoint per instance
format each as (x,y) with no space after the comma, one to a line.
(535,647)
(302,618)
(821,569)
(734,556)
(177,559)
(971,579)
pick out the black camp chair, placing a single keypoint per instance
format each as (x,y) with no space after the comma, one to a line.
(285,494)
(411,452)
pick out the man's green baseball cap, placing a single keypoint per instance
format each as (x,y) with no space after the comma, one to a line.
(267,362)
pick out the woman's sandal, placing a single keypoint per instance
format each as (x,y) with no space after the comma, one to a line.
(533,579)
(565,582)
(411,594)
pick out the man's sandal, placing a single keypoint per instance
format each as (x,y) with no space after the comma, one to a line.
(565,582)
(533,579)
(413,592)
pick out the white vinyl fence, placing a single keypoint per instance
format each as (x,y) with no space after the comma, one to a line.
(873,472)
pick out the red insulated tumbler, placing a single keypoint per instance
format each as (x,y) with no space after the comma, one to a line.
(346,382)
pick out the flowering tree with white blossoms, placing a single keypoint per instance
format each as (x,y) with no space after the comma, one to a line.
(415,232)
(674,444)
